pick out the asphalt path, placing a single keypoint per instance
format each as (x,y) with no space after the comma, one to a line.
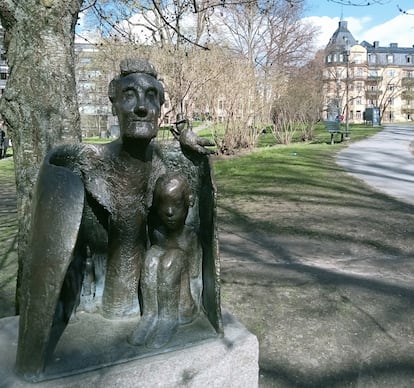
(384,161)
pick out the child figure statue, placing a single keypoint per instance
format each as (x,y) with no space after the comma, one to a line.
(171,282)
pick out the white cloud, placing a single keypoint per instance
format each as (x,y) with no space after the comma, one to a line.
(326,26)
(83,34)
(397,30)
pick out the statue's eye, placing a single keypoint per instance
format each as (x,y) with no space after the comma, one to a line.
(152,93)
(128,94)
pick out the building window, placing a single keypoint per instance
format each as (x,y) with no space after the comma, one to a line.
(358,101)
(373,72)
(408,58)
(329,58)
(359,72)
(390,58)
(391,73)
(358,115)
(3,75)
(357,59)
(391,87)
(372,58)
(409,74)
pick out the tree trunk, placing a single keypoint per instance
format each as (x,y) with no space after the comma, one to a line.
(39,105)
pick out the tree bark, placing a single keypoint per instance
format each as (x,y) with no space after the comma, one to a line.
(39,105)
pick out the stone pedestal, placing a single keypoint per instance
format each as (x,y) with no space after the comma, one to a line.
(231,361)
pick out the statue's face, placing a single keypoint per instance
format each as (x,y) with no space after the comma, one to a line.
(172,208)
(137,105)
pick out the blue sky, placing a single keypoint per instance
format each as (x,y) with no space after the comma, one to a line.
(382,22)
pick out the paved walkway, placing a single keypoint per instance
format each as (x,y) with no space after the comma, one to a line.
(384,161)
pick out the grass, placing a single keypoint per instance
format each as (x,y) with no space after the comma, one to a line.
(267,139)
(283,175)
(8,230)
(298,235)
(7,170)
(252,188)
(298,191)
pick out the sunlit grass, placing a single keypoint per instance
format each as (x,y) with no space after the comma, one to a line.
(275,174)
(8,232)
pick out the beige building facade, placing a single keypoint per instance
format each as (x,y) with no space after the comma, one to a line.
(360,78)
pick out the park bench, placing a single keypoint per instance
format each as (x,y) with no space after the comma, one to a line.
(334,127)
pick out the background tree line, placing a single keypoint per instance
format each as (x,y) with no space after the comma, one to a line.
(235,65)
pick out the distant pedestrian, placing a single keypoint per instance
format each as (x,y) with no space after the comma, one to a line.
(2,144)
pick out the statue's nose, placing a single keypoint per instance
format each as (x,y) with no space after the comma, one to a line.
(141,110)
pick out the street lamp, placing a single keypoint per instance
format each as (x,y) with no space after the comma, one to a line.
(347,89)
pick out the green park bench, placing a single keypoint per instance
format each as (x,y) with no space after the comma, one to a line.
(334,128)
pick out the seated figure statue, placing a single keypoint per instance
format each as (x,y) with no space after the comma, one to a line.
(171,286)
(97,197)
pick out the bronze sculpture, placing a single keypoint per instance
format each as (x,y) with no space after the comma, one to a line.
(91,196)
(174,258)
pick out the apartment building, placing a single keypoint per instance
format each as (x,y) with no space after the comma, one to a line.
(361,78)
(92,91)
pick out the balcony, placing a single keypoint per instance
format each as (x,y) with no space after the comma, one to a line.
(407,82)
(358,77)
(374,78)
(407,95)
(407,110)
(372,94)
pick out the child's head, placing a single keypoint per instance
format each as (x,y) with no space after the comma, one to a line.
(172,199)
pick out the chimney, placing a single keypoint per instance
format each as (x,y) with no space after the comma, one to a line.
(376,44)
(393,45)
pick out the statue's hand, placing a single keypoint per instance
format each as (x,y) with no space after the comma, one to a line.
(188,139)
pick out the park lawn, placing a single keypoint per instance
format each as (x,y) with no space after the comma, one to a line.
(8,230)
(254,187)
(321,135)
(299,191)
(251,188)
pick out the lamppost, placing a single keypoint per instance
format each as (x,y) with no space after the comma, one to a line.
(347,89)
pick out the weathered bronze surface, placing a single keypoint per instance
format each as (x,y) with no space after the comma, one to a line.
(117,232)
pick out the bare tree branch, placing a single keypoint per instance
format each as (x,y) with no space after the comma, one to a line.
(404,12)
(358,3)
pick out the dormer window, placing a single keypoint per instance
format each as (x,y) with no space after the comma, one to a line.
(390,58)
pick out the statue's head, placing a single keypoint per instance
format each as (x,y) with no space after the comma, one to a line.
(172,199)
(136,97)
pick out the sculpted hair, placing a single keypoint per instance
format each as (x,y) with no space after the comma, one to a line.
(177,181)
(135,66)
